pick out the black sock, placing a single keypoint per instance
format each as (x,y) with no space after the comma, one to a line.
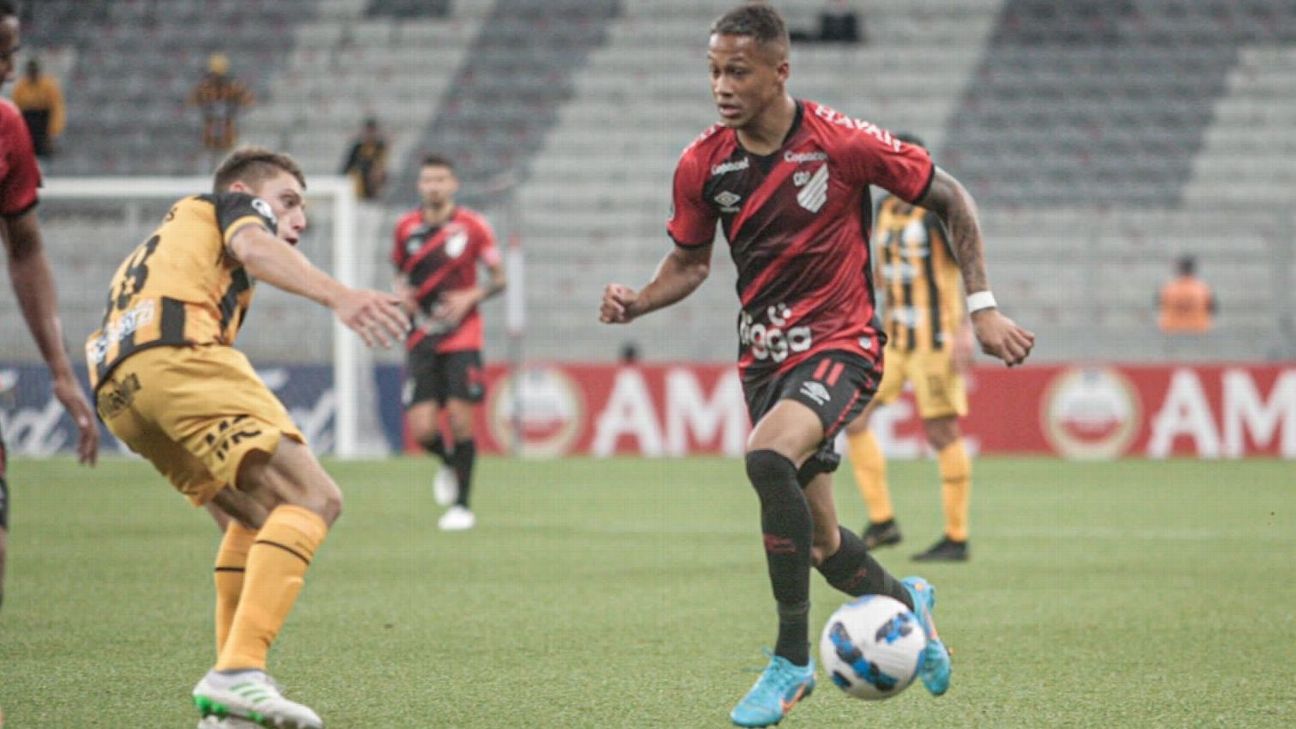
(854,571)
(462,460)
(787,526)
(435,445)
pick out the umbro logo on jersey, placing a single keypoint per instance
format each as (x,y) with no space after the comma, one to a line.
(728,201)
(815,193)
(815,391)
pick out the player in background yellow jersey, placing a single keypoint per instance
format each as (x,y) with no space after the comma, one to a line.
(170,385)
(929,345)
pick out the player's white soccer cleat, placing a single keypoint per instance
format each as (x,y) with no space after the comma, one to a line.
(445,487)
(251,696)
(457,519)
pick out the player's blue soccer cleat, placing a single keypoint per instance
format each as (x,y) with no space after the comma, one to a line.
(778,689)
(935,667)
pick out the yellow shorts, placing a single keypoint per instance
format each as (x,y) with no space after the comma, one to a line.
(938,387)
(195,413)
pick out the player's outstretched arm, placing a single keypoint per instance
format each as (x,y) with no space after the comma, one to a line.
(375,315)
(33,284)
(679,274)
(999,336)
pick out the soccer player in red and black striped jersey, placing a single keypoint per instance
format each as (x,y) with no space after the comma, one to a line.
(787,180)
(29,267)
(436,253)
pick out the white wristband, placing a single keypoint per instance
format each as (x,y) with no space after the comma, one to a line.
(980,300)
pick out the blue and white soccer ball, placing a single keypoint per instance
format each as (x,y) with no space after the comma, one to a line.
(871,647)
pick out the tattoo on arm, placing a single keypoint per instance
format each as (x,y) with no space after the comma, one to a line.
(496,285)
(955,207)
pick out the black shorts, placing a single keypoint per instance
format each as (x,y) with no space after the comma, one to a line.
(442,376)
(4,486)
(836,385)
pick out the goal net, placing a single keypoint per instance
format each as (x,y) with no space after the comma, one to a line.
(321,371)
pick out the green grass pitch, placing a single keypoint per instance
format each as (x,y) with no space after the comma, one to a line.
(631,593)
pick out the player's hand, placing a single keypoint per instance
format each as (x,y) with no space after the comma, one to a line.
(453,306)
(376,316)
(1001,337)
(617,300)
(409,301)
(68,392)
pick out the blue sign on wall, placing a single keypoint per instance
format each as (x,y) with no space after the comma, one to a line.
(34,423)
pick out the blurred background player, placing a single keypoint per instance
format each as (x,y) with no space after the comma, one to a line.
(436,252)
(39,97)
(170,385)
(788,182)
(29,269)
(929,344)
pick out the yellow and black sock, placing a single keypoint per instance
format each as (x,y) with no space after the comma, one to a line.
(870,475)
(231,565)
(276,569)
(956,488)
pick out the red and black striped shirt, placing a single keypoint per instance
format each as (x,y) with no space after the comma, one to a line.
(797,223)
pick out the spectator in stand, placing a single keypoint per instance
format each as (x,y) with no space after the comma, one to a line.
(221,98)
(38,96)
(629,354)
(1187,304)
(366,161)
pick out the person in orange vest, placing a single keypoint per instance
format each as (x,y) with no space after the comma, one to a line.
(1187,304)
(38,95)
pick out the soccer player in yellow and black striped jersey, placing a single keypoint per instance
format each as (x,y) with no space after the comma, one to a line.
(929,344)
(170,385)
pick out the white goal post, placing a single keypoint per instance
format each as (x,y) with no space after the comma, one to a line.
(333,194)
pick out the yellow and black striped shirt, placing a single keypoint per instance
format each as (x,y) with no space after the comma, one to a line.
(180,287)
(918,272)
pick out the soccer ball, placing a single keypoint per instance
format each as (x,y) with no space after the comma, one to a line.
(871,647)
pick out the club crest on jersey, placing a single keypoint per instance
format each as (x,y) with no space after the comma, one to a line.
(815,192)
(456,242)
(800,178)
(263,207)
(728,201)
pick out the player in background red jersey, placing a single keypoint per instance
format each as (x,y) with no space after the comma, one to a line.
(788,182)
(436,251)
(29,267)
